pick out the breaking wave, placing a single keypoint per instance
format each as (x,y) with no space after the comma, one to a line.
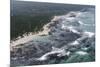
(61,40)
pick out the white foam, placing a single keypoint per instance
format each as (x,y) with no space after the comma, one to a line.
(63,26)
(70,18)
(68,53)
(85,48)
(89,34)
(80,22)
(74,43)
(81,53)
(42,58)
(64,54)
(73,30)
(60,52)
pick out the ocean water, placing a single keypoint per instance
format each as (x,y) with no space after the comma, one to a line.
(68,38)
